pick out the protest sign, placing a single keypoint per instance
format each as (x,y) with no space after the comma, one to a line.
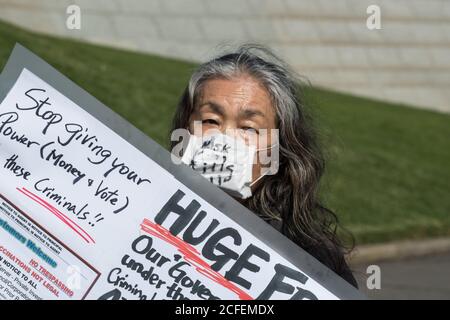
(91,208)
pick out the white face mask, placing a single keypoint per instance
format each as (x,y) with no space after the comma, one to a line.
(224,160)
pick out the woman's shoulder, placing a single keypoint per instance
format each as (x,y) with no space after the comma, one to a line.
(277,224)
(334,258)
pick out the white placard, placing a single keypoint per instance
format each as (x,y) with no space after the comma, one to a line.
(85,214)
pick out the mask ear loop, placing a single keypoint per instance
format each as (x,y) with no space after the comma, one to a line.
(257,179)
(265,174)
(261,149)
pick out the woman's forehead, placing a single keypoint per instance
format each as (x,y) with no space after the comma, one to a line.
(239,87)
(240,95)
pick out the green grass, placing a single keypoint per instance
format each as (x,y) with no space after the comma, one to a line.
(388,172)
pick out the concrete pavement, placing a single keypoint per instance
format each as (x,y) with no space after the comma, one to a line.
(425,277)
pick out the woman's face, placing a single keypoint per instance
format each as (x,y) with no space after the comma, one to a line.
(239,103)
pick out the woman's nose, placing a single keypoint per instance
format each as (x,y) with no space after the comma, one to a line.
(230,129)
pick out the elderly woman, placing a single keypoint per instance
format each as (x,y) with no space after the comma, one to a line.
(251,91)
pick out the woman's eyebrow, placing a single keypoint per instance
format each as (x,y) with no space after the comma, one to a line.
(250,113)
(246,112)
(216,108)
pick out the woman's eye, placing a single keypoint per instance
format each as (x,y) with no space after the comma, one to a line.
(249,130)
(210,121)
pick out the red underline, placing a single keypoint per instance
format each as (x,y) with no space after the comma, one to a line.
(193,256)
(71,224)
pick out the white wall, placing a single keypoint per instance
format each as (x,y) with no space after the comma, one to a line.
(408,60)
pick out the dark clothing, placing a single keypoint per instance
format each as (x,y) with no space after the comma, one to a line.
(342,269)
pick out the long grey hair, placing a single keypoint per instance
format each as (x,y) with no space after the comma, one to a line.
(291,195)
